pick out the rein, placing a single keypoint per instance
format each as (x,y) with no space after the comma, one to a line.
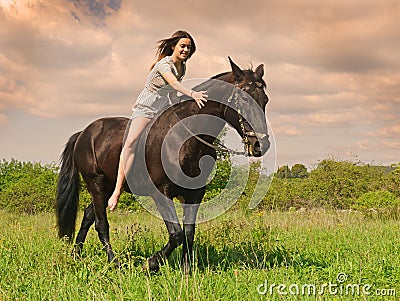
(219,145)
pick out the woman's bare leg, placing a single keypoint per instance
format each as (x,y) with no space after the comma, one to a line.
(127,156)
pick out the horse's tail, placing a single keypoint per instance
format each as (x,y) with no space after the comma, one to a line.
(67,191)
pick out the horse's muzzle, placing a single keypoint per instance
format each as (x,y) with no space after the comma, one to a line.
(257,144)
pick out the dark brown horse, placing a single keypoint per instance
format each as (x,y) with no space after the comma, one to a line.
(237,98)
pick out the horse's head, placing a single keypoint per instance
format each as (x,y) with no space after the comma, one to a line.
(251,82)
(246,108)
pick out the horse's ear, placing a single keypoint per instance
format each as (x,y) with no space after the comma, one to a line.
(238,74)
(259,71)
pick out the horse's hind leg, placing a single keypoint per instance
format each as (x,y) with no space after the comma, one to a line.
(167,210)
(87,222)
(100,191)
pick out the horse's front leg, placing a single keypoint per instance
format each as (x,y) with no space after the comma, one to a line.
(167,210)
(189,227)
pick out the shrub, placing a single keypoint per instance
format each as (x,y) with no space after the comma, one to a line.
(379,204)
(376,199)
(284,172)
(392,181)
(299,171)
(332,184)
(339,183)
(129,202)
(27,187)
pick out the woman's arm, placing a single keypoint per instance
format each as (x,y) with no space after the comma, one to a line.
(199,96)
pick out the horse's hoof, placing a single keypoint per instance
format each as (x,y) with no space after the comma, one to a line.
(186,265)
(116,263)
(76,252)
(151,265)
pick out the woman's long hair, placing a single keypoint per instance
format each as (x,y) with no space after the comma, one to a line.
(165,45)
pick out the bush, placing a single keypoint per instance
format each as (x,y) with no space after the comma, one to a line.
(27,187)
(338,184)
(284,194)
(220,177)
(379,204)
(129,202)
(392,181)
(376,199)
(297,171)
(332,184)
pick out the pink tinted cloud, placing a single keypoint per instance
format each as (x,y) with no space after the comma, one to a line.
(3,120)
(328,64)
(392,131)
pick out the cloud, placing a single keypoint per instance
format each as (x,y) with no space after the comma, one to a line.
(363,145)
(392,131)
(55,65)
(13,93)
(3,120)
(395,145)
(344,37)
(99,9)
(290,131)
(329,65)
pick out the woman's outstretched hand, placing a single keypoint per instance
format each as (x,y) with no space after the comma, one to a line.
(200,97)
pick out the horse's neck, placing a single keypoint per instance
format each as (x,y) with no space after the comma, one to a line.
(208,119)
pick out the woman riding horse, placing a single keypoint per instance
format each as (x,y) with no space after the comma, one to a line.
(95,153)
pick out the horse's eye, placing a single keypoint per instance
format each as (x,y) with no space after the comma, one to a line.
(250,83)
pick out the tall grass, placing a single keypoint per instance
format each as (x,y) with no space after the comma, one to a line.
(235,254)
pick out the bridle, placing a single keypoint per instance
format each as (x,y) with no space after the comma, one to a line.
(218,145)
(234,97)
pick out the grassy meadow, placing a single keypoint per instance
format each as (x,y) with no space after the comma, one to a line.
(258,255)
(331,233)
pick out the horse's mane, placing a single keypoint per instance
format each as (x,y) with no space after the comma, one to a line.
(221,75)
(250,69)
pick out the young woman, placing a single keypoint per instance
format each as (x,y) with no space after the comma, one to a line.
(163,82)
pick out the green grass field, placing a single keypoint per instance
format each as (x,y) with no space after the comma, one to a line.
(258,256)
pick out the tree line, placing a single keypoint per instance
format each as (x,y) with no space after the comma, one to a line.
(27,187)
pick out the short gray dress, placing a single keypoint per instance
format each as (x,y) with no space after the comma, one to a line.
(157,93)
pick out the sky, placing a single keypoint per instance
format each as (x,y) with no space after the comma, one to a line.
(332,68)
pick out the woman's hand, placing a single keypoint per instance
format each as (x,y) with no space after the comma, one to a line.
(200,97)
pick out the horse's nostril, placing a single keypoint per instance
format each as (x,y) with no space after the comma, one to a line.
(257,147)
